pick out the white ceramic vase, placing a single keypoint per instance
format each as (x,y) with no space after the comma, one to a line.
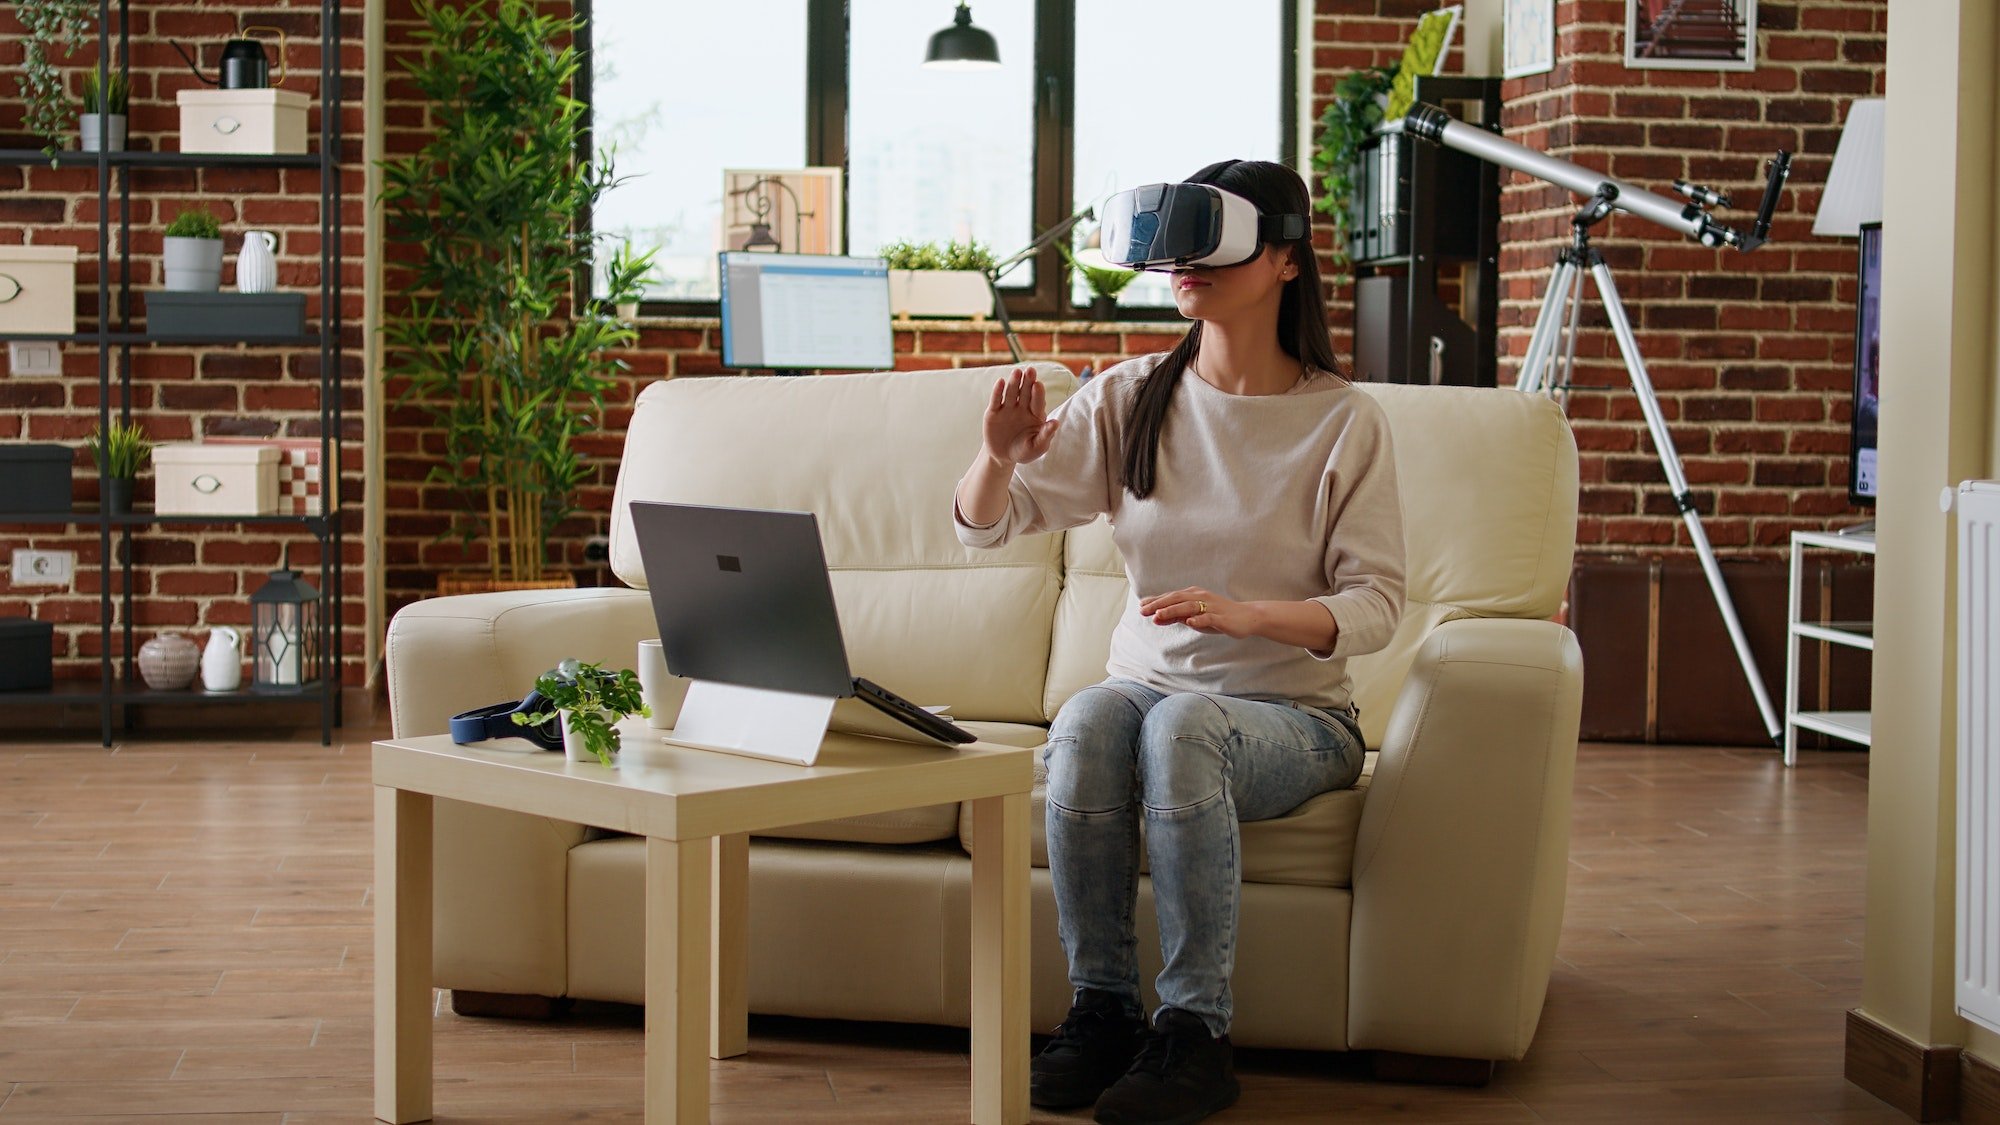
(573,747)
(222,661)
(257,262)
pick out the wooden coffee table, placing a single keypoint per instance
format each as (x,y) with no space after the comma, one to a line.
(696,809)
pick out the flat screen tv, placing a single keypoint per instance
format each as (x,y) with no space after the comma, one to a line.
(806,311)
(1861,459)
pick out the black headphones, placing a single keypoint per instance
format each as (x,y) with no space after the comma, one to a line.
(496,720)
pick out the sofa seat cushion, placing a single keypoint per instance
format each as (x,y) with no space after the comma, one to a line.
(1311,846)
(911,826)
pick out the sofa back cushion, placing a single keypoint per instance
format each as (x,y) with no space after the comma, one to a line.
(1489,486)
(875,457)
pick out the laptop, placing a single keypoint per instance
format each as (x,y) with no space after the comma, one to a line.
(742,597)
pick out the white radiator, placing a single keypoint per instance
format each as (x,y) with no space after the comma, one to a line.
(1979,752)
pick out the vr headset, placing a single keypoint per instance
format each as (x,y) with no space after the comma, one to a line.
(1167,226)
(496,720)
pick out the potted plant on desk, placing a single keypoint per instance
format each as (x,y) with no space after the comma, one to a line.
(103,120)
(120,453)
(590,700)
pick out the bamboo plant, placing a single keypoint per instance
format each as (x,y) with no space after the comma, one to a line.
(495,341)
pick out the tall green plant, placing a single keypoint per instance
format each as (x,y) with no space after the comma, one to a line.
(492,342)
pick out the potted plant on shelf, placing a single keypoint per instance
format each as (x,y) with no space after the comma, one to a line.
(192,258)
(939,279)
(120,453)
(103,122)
(589,700)
(500,354)
(1105,282)
(52,27)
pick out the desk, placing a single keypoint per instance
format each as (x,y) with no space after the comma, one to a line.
(696,810)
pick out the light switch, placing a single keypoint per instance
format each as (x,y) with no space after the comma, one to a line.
(32,359)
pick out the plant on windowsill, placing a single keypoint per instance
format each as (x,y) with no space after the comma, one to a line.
(590,700)
(102,126)
(120,453)
(493,345)
(192,253)
(939,279)
(52,27)
(1105,282)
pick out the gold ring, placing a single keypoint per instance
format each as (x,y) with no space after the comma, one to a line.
(1201,607)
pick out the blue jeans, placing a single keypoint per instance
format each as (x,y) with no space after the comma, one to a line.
(1192,766)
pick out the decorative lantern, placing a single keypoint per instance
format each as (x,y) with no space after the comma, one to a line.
(285,630)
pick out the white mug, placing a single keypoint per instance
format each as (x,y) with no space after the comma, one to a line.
(257,263)
(662,690)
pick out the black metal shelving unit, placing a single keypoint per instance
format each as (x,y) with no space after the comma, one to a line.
(118,687)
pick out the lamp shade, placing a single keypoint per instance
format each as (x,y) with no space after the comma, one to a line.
(1854,187)
(962,46)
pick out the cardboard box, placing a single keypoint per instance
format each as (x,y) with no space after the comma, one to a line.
(37,477)
(194,479)
(264,122)
(38,290)
(27,649)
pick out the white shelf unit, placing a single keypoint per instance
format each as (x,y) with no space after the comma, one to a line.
(1853,726)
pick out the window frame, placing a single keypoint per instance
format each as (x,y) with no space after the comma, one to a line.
(1054,112)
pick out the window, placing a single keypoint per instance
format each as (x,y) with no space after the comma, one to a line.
(681,92)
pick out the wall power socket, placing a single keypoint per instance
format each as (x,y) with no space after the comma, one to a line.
(43,568)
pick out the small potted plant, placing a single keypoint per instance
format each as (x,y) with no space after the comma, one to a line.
(590,700)
(1105,282)
(939,279)
(103,120)
(120,453)
(193,255)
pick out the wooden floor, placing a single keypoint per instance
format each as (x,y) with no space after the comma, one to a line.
(184,936)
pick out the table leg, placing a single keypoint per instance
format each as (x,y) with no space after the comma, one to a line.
(1000,960)
(677,970)
(402,955)
(729,950)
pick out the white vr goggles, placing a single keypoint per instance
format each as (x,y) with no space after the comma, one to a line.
(1166,226)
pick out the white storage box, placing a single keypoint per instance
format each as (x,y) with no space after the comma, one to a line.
(38,289)
(192,479)
(266,122)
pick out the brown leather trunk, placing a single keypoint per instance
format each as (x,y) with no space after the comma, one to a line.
(1658,664)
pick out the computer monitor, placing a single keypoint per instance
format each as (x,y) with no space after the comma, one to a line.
(1864,425)
(795,311)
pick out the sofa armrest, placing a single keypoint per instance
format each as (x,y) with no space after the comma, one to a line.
(501,879)
(1461,859)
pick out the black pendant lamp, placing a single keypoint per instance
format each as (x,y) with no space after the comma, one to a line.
(963,46)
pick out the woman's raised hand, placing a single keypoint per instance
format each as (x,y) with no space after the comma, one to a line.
(1017,428)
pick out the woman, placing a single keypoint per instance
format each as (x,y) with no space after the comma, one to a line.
(1252,495)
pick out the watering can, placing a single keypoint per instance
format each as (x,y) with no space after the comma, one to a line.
(244,65)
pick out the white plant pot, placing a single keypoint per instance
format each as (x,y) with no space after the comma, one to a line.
(193,265)
(959,294)
(573,747)
(101,132)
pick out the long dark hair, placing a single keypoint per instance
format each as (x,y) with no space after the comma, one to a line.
(1302,330)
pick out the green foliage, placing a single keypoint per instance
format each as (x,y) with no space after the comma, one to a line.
(111,98)
(1104,282)
(1420,56)
(905,255)
(593,699)
(121,451)
(1349,120)
(491,341)
(195,224)
(53,26)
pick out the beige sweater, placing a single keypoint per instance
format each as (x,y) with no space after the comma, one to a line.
(1257,497)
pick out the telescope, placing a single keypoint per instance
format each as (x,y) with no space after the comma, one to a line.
(1435,125)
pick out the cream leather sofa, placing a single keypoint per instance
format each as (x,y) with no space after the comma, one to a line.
(1416,913)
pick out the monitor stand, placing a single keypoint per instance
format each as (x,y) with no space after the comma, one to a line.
(782,726)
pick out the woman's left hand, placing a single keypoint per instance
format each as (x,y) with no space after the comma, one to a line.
(1202,611)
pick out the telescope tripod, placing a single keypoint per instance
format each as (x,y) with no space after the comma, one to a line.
(1566,288)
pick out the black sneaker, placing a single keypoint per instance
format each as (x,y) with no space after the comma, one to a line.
(1182,1075)
(1093,1045)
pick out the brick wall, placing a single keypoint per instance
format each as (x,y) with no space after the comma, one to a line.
(1750,352)
(185,578)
